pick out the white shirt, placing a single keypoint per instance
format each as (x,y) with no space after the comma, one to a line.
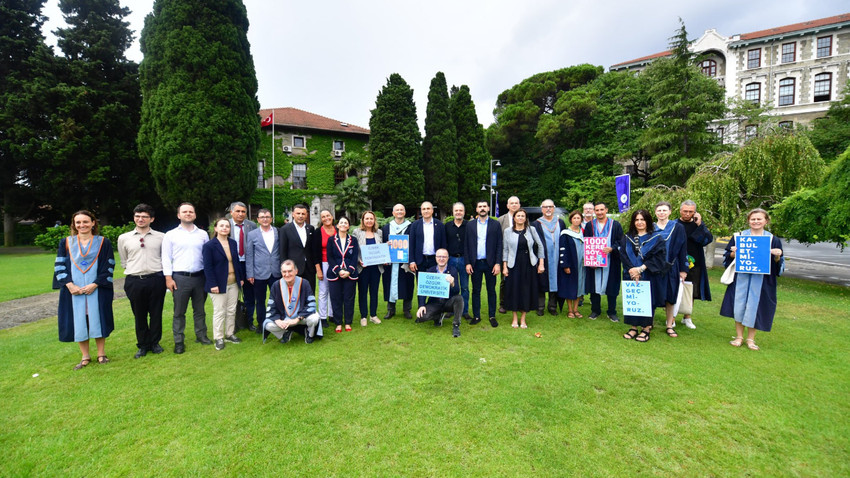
(428,233)
(238,230)
(268,238)
(302,233)
(482,239)
(181,250)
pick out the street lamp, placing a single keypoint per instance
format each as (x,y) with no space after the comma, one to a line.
(492,184)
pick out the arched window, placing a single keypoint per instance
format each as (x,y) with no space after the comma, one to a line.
(752,92)
(786,91)
(823,86)
(709,68)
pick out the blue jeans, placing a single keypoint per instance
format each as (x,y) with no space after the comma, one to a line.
(460,264)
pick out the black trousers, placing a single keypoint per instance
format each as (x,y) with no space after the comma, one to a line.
(453,304)
(342,300)
(261,286)
(480,268)
(146,295)
(596,303)
(249,299)
(367,287)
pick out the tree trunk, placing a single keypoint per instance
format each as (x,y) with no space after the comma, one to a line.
(709,255)
(8,221)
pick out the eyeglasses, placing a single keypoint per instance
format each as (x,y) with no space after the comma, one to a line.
(141,242)
(547,207)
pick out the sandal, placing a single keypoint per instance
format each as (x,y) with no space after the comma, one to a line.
(83,363)
(751,344)
(672,332)
(348,328)
(338,329)
(578,315)
(737,342)
(102,359)
(571,315)
(632,333)
(643,336)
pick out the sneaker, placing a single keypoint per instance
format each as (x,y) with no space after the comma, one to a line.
(308,339)
(363,322)
(233,339)
(475,321)
(613,317)
(689,323)
(219,344)
(593,316)
(493,322)
(287,334)
(375,320)
(455,331)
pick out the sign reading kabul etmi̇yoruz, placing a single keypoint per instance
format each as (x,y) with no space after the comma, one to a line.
(433,284)
(752,254)
(399,248)
(375,254)
(637,298)
(594,256)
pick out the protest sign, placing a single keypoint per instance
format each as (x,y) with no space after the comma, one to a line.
(433,284)
(637,298)
(752,254)
(375,254)
(594,256)
(399,248)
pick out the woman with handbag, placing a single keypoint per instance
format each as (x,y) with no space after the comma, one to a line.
(751,298)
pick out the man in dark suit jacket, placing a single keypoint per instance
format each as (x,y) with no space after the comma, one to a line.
(432,308)
(483,258)
(426,236)
(262,263)
(240,226)
(296,243)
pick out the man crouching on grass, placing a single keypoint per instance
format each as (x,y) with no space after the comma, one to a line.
(434,308)
(292,307)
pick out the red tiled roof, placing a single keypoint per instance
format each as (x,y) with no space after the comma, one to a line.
(304,119)
(645,58)
(797,26)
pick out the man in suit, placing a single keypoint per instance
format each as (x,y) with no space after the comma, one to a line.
(296,244)
(426,236)
(549,229)
(507,222)
(435,306)
(483,258)
(239,229)
(262,263)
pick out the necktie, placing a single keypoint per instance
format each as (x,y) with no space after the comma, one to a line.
(241,240)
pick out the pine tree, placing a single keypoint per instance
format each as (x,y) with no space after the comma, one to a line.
(439,149)
(199,127)
(472,156)
(395,148)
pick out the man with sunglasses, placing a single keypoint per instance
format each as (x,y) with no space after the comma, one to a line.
(141,257)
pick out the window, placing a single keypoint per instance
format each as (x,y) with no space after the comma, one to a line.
(261,168)
(824,46)
(786,91)
(299,176)
(752,93)
(823,86)
(339,145)
(750,132)
(709,68)
(754,58)
(299,142)
(786,124)
(719,133)
(789,52)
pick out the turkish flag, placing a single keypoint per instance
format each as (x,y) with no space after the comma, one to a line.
(268,120)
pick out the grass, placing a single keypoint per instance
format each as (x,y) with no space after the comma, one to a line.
(32,274)
(405,399)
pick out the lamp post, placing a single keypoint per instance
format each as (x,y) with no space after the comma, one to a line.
(492,182)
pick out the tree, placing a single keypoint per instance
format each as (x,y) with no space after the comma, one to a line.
(472,156)
(831,134)
(686,101)
(25,76)
(395,148)
(199,127)
(351,198)
(93,156)
(439,149)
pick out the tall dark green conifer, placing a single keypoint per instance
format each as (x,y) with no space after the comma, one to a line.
(199,129)
(472,156)
(395,148)
(439,149)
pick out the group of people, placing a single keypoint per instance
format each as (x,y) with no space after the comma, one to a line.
(537,260)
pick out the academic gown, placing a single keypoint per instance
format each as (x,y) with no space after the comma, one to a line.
(612,286)
(649,250)
(571,286)
(62,275)
(703,237)
(677,256)
(751,298)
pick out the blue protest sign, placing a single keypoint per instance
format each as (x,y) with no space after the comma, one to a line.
(399,248)
(752,254)
(637,298)
(375,254)
(433,284)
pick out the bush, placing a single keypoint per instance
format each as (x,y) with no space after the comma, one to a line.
(50,239)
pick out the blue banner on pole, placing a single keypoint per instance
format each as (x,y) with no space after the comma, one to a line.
(623,185)
(752,254)
(496,212)
(493,180)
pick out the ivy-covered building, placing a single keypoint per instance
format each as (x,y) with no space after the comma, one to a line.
(301,170)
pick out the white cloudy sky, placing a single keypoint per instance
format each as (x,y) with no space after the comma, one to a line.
(331,57)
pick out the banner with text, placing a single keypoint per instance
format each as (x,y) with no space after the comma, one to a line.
(594,255)
(399,248)
(433,284)
(637,298)
(375,254)
(752,255)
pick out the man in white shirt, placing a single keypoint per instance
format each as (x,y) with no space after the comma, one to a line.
(262,263)
(183,267)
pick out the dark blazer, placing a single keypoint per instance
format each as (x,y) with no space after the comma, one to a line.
(291,248)
(347,260)
(417,239)
(247,226)
(215,264)
(492,246)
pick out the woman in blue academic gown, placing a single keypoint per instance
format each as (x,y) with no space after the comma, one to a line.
(83,271)
(343,257)
(676,240)
(571,264)
(751,298)
(644,255)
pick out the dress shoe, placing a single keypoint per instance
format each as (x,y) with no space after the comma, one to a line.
(493,322)
(203,340)
(407,314)
(424,318)
(540,313)
(156,349)
(455,330)
(325,323)
(503,310)
(475,321)
(287,334)
(390,311)
(467,317)
(308,339)
(141,353)
(253,328)
(233,339)
(179,348)
(219,344)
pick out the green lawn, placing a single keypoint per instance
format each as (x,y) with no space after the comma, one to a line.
(31,274)
(405,399)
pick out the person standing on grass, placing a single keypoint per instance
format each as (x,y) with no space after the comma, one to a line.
(240,227)
(343,256)
(223,277)
(644,255)
(320,252)
(522,254)
(571,265)
(262,261)
(698,237)
(370,276)
(433,308)
(483,259)
(549,228)
(456,245)
(427,234)
(83,271)
(673,234)
(751,298)
(292,307)
(397,279)
(296,243)
(506,221)
(604,280)
(183,267)
(141,257)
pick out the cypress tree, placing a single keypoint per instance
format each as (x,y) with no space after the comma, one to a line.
(440,148)
(472,156)
(199,126)
(395,148)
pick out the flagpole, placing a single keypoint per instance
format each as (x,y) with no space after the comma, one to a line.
(274,217)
